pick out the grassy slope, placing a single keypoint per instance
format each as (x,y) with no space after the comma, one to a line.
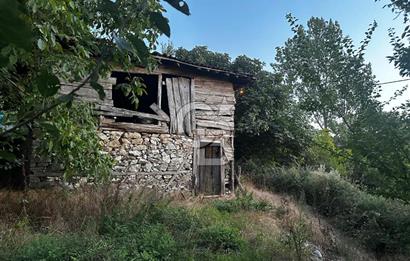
(99,224)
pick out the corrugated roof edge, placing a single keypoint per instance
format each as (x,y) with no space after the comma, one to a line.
(201,67)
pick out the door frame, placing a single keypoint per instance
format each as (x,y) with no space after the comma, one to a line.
(196,162)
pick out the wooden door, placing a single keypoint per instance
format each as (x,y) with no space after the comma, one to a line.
(210,180)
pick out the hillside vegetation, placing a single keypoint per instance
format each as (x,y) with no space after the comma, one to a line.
(100,223)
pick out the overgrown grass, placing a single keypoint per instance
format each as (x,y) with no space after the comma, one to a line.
(103,224)
(380,224)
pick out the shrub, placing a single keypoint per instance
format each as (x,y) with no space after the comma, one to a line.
(383,225)
(242,202)
(220,238)
(297,234)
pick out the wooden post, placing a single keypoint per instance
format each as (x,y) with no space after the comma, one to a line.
(159,98)
(222,167)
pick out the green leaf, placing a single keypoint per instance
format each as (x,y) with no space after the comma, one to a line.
(14,28)
(140,47)
(47,83)
(7,155)
(99,88)
(161,23)
(180,5)
(50,128)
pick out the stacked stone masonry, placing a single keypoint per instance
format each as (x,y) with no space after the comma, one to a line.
(159,161)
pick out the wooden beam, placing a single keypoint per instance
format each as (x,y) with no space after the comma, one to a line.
(119,112)
(148,128)
(216,125)
(159,112)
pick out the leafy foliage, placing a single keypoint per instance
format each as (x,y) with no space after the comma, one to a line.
(380,147)
(401,47)
(201,55)
(68,137)
(328,76)
(324,152)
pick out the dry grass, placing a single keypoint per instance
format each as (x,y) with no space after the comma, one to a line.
(323,235)
(59,210)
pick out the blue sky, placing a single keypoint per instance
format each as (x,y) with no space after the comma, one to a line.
(256,28)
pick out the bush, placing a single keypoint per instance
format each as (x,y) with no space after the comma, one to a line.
(242,202)
(220,238)
(382,225)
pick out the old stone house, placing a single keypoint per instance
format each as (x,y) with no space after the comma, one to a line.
(180,137)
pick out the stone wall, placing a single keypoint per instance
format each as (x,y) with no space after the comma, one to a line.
(159,161)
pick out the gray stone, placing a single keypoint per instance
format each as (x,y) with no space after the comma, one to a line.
(135,153)
(171,146)
(141,147)
(137,141)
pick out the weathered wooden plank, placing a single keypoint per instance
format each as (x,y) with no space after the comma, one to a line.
(220,107)
(210,98)
(113,111)
(186,100)
(171,105)
(84,92)
(178,106)
(215,118)
(213,132)
(213,113)
(195,166)
(216,125)
(204,91)
(148,128)
(159,98)
(192,104)
(222,169)
(160,112)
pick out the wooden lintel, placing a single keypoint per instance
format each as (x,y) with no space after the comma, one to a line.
(148,128)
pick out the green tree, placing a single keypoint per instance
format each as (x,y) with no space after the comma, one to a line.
(43,43)
(329,77)
(380,144)
(270,126)
(201,55)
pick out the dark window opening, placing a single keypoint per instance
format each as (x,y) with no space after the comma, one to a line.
(144,101)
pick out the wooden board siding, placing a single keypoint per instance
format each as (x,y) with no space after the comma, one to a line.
(88,94)
(214,116)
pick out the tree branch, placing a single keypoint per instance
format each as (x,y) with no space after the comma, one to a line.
(58,101)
